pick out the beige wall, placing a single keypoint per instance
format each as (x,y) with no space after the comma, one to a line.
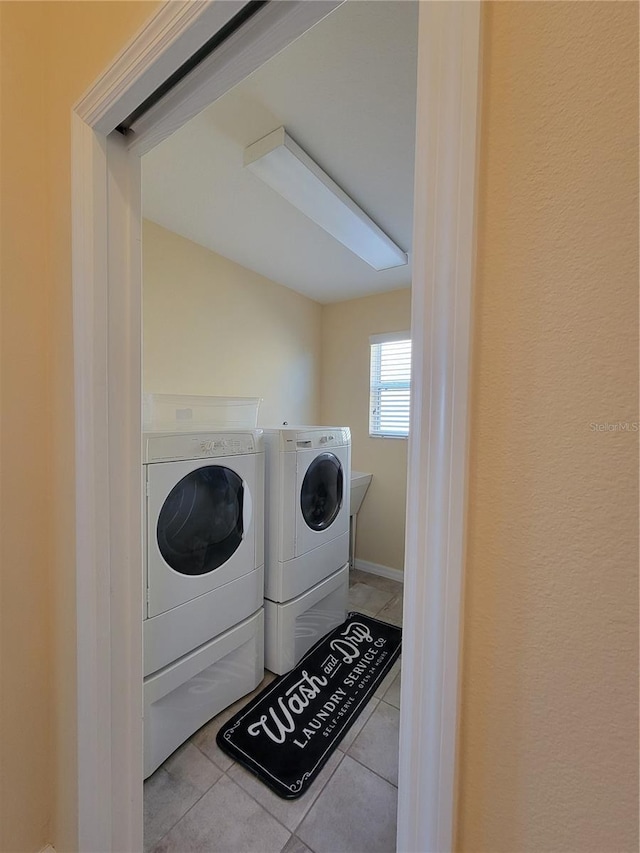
(26,621)
(50,53)
(549,749)
(214,327)
(346,327)
(549,728)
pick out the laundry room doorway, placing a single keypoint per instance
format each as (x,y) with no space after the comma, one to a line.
(111,132)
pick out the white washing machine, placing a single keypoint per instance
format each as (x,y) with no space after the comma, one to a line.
(204,571)
(306,538)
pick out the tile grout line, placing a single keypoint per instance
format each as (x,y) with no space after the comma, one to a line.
(297,838)
(297,826)
(361,763)
(199,798)
(185,813)
(217,766)
(372,771)
(233,782)
(264,808)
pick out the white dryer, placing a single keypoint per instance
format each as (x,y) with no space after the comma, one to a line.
(306,538)
(204,573)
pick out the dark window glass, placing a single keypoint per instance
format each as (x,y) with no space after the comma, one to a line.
(200,524)
(321,496)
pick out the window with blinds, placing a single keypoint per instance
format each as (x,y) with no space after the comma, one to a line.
(390,385)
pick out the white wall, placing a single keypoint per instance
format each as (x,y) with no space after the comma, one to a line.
(213,327)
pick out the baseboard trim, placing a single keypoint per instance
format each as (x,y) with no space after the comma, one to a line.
(382,571)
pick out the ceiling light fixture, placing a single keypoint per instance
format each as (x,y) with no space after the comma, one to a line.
(285,167)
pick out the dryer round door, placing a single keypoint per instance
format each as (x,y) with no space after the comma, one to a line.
(322,501)
(201,521)
(322,491)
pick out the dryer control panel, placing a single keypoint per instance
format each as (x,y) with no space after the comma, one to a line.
(166,447)
(315,438)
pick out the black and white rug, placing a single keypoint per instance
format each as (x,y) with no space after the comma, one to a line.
(286,733)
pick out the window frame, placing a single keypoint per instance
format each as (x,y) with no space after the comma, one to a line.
(379,340)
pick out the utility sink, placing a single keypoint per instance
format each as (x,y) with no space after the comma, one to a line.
(359,485)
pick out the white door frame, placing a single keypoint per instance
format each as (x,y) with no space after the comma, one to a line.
(107,287)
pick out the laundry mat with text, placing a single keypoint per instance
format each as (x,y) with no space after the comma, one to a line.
(286,734)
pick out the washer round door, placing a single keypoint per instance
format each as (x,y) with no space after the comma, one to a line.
(201,529)
(200,524)
(322,491)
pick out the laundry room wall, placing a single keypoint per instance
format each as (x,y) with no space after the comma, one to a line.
(344,400)
(50,53)
(548,749)
(211,326)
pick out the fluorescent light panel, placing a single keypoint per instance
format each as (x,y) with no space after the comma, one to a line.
(280,162)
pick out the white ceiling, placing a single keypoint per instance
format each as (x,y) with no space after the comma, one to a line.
(345,91)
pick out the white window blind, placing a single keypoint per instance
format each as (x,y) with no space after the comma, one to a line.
(390,384)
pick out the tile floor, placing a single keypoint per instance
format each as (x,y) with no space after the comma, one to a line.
(201,800)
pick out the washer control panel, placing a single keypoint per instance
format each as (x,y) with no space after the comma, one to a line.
(165,447)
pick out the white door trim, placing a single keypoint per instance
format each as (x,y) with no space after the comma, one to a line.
(107,342)
(167,40)
(234,60)
(443,268)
